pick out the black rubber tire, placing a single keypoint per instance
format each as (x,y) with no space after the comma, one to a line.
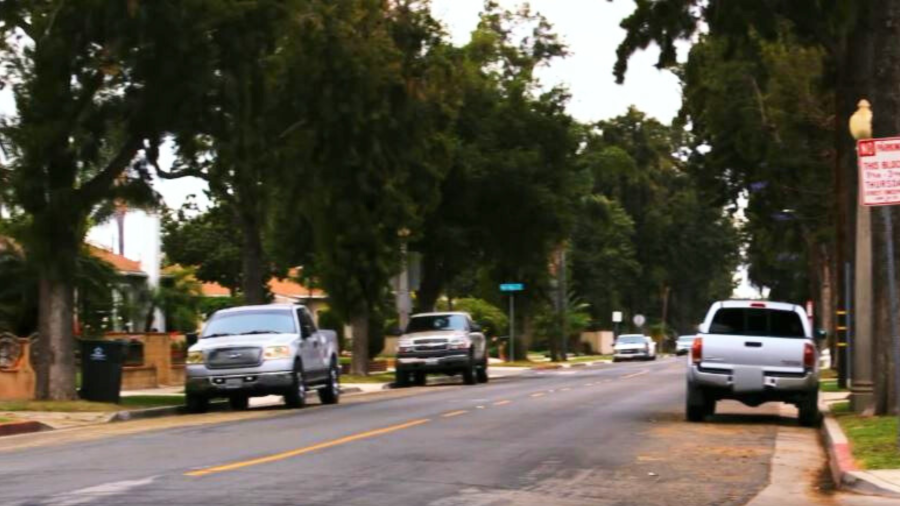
(809,415)
(196,403)
(295,398)
(420,379)
(401,378)
(615,360)
(696,405)
(239,402)
(468,374)
(331,394)
(482,372)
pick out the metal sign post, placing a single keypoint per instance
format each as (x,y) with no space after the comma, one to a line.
(512,288)
(617,319)
(879,185)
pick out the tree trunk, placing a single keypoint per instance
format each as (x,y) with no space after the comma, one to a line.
(253,277)
(55,354)
(360,323)
(886,123)
(430,286)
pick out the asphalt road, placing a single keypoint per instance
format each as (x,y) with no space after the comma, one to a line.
(609,434)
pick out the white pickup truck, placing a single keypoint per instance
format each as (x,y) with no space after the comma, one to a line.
(754,352)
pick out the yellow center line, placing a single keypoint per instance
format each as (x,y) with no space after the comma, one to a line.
(538,394)
(300,451)
(454,413)
(641,373)
(502,403)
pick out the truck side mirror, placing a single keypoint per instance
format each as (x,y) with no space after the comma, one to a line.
(476,327)
(190,338)
(820,334)
(395,331)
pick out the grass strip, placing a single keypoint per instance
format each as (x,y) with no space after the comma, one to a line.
(873,439)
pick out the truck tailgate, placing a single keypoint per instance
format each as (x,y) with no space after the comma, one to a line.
(773,354)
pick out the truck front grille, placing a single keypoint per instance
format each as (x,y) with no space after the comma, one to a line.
(229,358)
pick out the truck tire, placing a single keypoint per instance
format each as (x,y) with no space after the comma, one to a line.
(295,398)
(401,378)
(195,403)
(331,393)
(468,374)
(420,379)
(697,405)
(482,373)
(809,415)
(239,402)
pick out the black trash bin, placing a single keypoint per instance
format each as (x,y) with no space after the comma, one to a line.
(101,370)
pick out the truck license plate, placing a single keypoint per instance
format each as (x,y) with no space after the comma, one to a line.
(234,383)
(748,379)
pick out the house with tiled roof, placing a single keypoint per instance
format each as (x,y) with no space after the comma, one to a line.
(288,290)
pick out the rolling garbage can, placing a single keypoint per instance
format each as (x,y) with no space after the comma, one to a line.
(101,370)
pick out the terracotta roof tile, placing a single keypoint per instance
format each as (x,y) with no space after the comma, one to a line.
(122,264)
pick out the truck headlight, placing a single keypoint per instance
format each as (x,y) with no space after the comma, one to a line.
(459,343)
(277,352)
(194,357)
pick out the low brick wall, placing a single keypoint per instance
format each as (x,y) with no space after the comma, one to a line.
(17,380)
(139,377)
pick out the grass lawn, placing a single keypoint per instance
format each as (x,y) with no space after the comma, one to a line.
(143,401)
(6,420)
(381,377)
(873,439)
(828,374)
(830,385)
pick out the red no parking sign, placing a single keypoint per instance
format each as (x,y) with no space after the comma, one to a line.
(879,171)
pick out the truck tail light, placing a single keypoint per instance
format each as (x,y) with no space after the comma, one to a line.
(697,350)
(809,356)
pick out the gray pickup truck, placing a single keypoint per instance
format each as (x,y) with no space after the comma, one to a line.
(262,350)
(446,343)
(754,352)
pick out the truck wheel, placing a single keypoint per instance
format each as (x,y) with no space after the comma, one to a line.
(615,360)
(468,374)
(295,398)
(401,378)
(809,410)
(239,402)
(331,394)
(196,403)
(482,373)
(420,379)
(696,405)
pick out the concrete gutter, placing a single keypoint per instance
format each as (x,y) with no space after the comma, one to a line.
(844,471)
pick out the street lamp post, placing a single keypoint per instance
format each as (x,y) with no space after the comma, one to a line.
(861,394)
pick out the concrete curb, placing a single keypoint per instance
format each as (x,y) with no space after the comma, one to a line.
(16,428)
(844,471)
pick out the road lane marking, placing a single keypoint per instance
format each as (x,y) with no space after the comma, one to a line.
(565,389)
(479,407)
(454,413)
(538,394)
(502,403)
(92,494)
(307,449)
(639,373)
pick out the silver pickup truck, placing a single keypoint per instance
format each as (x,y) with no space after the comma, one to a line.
(754,352)
(262,350)
(446,343)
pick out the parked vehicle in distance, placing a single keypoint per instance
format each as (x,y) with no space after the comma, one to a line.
(754,352)
(683,344)
(445,343)
(262,350)
(634,347)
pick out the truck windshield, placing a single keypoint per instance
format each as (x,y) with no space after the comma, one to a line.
(250,322)
(742,321)
(436,322)
(631,340)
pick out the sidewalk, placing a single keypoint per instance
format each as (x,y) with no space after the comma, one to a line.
(844,470)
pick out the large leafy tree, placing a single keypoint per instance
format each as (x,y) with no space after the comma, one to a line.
(96,84)
(209,242)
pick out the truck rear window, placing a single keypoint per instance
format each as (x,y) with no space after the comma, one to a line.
(742,321)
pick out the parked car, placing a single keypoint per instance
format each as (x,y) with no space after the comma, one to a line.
(262,350)
(683,344)
(633,347)
(754,352)
(444,343)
